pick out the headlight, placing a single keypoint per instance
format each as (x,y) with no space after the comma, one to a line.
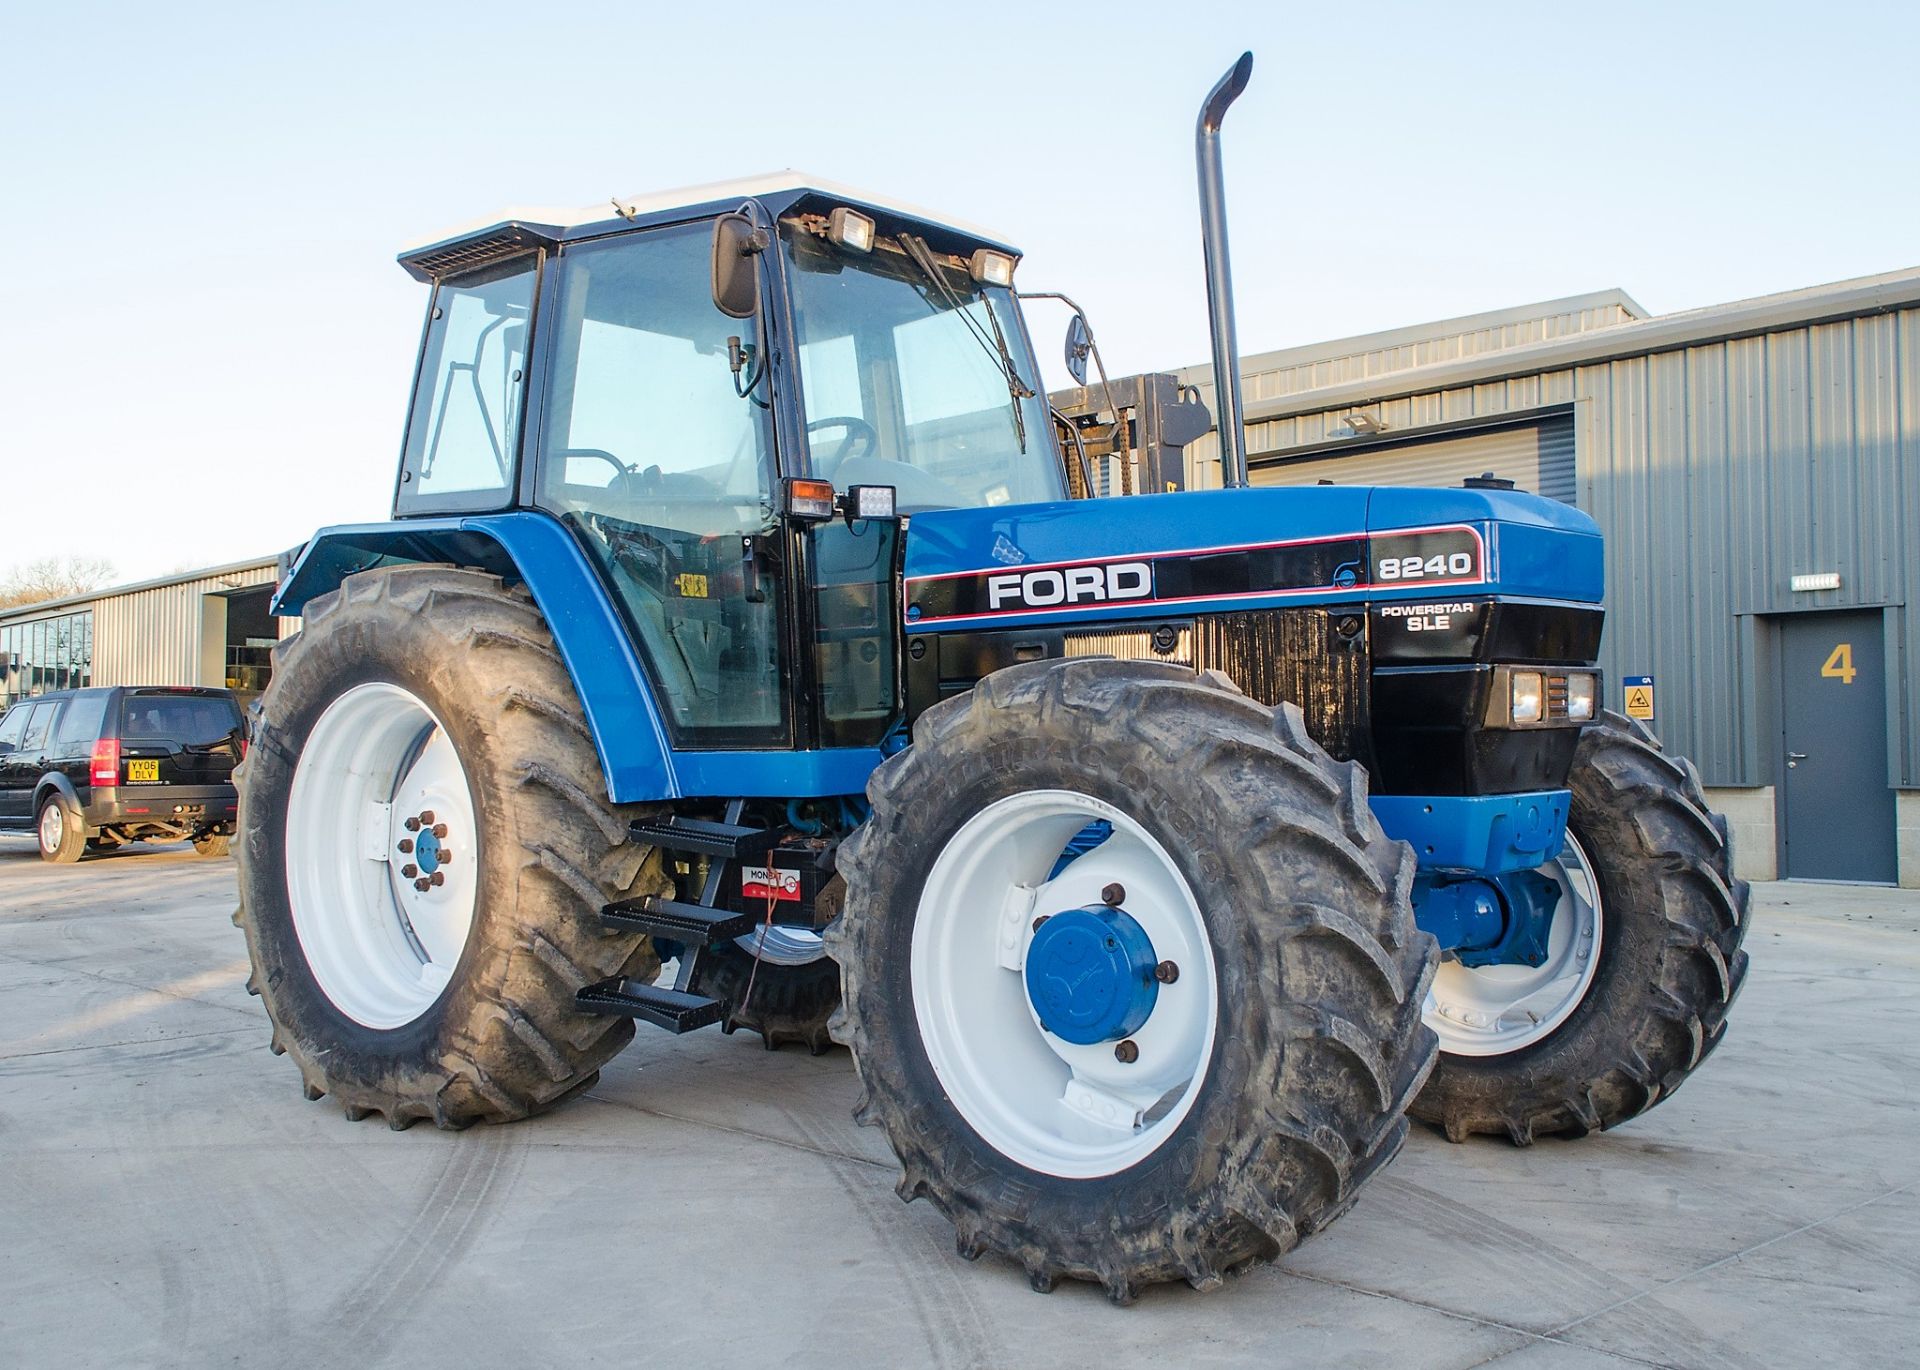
(1581,692)
(1529,697)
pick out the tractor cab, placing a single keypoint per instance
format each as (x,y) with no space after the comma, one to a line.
(698,447)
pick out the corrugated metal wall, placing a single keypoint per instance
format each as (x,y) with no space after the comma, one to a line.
(153,636)
(1536,456)
(1717,472)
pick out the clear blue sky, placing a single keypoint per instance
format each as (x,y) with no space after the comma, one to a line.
(208,343)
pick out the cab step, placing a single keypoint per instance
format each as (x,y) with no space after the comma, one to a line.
(692,924)
(671,1009)
(728,840)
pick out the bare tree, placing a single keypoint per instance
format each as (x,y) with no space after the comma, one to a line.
(53,578)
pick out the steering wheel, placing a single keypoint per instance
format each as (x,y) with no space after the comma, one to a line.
(596,452)
(858,431)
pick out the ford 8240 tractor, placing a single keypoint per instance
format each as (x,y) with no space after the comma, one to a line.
(1155,856)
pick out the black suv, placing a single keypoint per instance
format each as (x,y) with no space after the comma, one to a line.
(95,768)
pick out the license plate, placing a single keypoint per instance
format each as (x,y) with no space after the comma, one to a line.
(138,771)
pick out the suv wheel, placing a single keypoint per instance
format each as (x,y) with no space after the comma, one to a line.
(62,835)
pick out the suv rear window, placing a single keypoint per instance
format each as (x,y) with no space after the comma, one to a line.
(193,719)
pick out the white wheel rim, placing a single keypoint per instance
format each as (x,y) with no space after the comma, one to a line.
(53,826)
(1493,1010)
(1052,1105)
(783,946)
(380,949)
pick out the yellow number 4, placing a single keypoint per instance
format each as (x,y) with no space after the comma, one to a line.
(1840,664)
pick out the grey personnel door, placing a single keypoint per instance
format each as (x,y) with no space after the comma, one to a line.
(1837,821)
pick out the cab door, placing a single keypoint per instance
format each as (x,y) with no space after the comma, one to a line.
(665,471)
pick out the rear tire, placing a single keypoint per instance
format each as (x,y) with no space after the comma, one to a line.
(1298,933)
(503,1039)
(1672,917)
(212,845)
(61,831)
(785,1004)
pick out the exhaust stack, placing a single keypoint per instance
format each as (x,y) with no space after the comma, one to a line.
(1213,228)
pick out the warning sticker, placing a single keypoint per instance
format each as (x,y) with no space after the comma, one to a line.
(770,882)
(1639,696)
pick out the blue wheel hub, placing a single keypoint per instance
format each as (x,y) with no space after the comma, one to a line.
(426,851)
(1090,975)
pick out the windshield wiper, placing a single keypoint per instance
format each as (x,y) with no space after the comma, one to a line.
(996,346)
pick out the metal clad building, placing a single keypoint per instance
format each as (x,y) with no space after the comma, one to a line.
(1724,452)
(199,628)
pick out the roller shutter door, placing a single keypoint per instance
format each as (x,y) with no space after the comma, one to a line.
(1536,456)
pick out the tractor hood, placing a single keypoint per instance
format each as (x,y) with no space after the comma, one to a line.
(1146,556)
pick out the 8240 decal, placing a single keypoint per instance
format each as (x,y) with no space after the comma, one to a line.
(1438,555)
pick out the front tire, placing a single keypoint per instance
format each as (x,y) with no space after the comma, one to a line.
(1291,1040)
(1660,902)
(431,693)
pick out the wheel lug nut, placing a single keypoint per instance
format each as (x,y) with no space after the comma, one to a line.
(426,816)
(408,871)
(1126,1053)
(406,845)
(1166,972)
(1113,894)
(413,825)
(1041,919)
(423,885)
(446,855)
(438,877)
(439,829)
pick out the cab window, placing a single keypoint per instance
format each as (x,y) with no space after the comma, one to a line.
(665,472)
(464,427)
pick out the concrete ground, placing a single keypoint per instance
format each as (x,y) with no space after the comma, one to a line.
(168,1198)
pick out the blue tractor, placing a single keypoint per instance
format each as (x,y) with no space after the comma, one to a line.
(1155,856)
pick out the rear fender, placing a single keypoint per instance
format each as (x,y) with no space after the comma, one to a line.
(536,550)
(55,783)
(609,675)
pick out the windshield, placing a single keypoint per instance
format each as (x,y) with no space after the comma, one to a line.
(903,381)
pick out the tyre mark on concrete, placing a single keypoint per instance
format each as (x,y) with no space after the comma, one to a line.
(477,1170)
(935,1283)
(1740,1255)
(1521,1260)
(109,1046)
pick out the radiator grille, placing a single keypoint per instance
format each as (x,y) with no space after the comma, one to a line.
(1293,656)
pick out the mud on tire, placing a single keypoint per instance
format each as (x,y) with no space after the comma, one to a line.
(1320,971)
(1670,963)
(503,1040)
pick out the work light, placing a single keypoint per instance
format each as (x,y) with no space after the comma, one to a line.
(991,268)
(850,229)
(869,502)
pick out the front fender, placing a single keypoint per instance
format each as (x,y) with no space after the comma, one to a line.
(533,548)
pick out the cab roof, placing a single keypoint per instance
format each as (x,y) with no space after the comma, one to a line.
(518,228)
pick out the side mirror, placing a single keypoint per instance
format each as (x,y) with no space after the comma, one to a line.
(737,240)
(1079,345)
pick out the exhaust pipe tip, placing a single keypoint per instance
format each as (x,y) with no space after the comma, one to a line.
(1213,227)
(1228,89)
